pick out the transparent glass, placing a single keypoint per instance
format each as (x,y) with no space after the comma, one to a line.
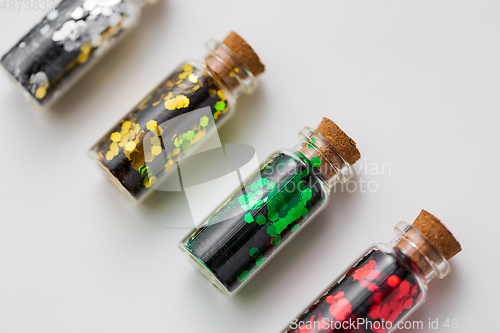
(66,43)
(379,291)
(243,233)
(171,122)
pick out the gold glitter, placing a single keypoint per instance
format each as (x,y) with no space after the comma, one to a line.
(40,92)
(193,78)
(172,94)
(169,164)
(169,95)
(177,102)
(221,95)
(137,128)
(125,139)
(84,53)
(151,125)
(130,146)
(115,137)
(198,136)
(156,150)
(155,141)
(149,157)
(150,182)
(114,148)
(126,126)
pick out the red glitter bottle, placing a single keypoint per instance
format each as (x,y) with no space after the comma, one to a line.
(386,284)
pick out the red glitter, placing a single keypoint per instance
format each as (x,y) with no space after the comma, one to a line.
(365,273)
(393,281)
(340,307)
(394,304)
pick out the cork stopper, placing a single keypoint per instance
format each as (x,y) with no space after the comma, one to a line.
(437,234)
(244,52)
(333,148)
(231,62)
(340,140)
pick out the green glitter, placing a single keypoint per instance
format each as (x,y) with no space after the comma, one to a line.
(261,219)
(220,106)
(243,276)
(260,262)
(178,142)
(316,161)
(306,194)
(314,140)
(249,218)
(278,199)
(142,169)
(253,251)
(271,230)
(189,135)
(204,121)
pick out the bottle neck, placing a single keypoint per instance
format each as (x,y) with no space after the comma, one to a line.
(228,69)
(413,245)
(323,155)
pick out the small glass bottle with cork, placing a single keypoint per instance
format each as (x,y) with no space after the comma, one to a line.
(273,204)
(66,43)
(177,116)
(386,284)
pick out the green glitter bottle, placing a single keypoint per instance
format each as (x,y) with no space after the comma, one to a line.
(291,187)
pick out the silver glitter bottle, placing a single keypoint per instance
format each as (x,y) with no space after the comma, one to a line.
(68,40)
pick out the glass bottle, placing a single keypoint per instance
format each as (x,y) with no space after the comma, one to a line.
(291,187)
(68,40)
(386,284)
(176,116)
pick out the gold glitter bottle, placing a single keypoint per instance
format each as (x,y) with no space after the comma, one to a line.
(143,148)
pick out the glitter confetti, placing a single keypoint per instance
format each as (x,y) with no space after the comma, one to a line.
(177,95)
(379,287)
(65,42)
(273,204)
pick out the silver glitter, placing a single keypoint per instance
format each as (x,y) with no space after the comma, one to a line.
(45,29)
(89,5)
(107,11)
(52,15)
(37,80)
(77,13)
(35,63)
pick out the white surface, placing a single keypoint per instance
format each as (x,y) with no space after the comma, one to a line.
(415,84)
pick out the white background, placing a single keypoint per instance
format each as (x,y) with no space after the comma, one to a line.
(414,83)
